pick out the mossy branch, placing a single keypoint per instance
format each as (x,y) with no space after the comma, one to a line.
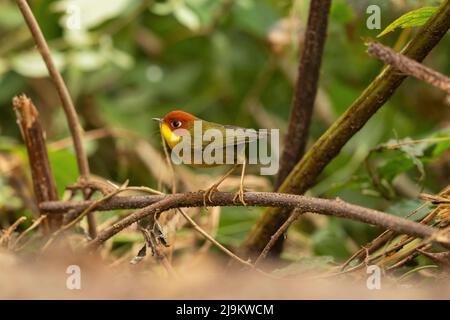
(305,173)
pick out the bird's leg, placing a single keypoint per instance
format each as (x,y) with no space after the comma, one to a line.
(240,194)
(213,188)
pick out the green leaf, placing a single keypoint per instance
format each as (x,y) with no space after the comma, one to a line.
(64,168)
(395,164)
(205,9)
(187,17)
(92,13)
(10,17)
(413,18)
(87,60)
(256,17)
(342,12)
(162,9)
(8,198)
(331,241)
(3,66)
(30,64)
(404,208)
(441,146)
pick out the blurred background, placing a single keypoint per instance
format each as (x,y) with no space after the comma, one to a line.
(226,61)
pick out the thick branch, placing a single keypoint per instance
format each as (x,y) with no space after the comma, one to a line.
(409,66)
(305,173)
(66,101)
(43,183)
(155,204)
(305,88)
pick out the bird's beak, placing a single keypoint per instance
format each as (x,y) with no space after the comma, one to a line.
(157,119)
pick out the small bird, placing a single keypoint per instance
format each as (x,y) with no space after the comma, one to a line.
(170,128)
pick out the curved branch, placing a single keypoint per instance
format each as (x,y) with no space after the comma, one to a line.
(153,205)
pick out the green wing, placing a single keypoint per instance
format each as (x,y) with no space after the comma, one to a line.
(239,136)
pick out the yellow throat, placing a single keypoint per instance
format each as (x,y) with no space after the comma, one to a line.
(171,138)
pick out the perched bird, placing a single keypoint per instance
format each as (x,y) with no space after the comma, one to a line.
(178,123)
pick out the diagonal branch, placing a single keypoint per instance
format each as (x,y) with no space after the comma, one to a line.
(409,66)
(307,170)
(66,101)
(63,92)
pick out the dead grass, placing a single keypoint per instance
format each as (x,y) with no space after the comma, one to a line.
(44,277)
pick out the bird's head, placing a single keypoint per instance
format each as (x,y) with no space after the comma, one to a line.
(172,124)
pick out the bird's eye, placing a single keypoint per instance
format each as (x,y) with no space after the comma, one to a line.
(176,124)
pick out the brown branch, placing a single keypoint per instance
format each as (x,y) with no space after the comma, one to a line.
(66,101)
(273,240)
(305,88)
(44,185)
(408,66)
(153,205)
(307,170)
(6,235)
(36,223)
(63,92)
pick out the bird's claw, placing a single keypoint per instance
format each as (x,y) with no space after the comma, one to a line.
(240,196)
(208,194)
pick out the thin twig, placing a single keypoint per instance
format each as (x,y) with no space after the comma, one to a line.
(8,232)
(90,135)
(409,66)
(294,216)
(29,229)
(66,100)
(145,189)
(85,212)
(61,87)
(214,216)
(93,206)
(214,241)
(404,143)
(434,199)
(379,241)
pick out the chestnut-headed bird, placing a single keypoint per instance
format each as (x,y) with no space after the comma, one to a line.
(176,125)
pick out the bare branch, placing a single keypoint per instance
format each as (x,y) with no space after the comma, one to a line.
(63,92)
(44,185)
(66,101)
(305,88)
(409,66)
(153,205)
(273,240)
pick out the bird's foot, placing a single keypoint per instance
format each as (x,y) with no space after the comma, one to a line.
(209,193)
(240,196)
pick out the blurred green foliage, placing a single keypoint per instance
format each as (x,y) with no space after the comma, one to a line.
(231,62)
